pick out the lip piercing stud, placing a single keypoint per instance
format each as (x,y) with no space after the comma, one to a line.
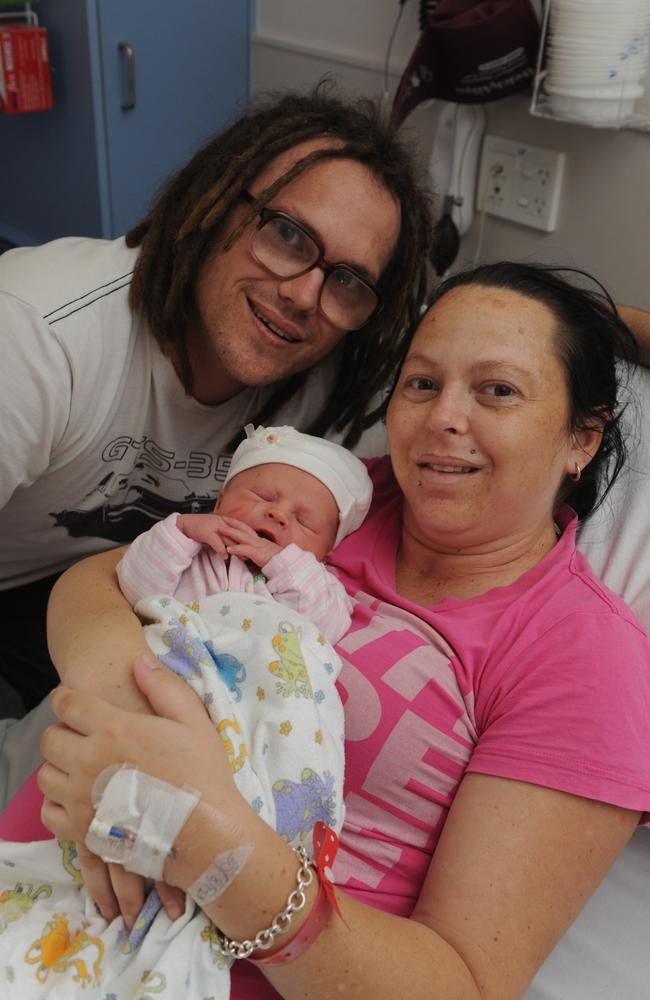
(418,482)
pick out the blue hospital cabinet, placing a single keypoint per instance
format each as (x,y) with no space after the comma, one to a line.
(138,86)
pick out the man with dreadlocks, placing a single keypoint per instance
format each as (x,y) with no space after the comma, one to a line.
(270,282)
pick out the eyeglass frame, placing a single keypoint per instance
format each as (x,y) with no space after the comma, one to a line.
(266,214)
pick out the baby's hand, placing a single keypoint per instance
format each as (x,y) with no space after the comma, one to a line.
(204,528)
(242,541)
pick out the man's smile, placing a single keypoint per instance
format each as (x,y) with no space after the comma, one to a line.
(273,327)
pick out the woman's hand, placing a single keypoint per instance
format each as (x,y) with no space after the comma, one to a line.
(181,746)
(94,637)
(118,892)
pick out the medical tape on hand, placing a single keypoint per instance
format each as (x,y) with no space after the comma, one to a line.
(137,819)
(219,874)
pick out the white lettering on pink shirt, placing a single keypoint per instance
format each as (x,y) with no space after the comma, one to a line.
(413,739)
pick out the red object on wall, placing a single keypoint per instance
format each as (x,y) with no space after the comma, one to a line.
(471,51)
(25,78)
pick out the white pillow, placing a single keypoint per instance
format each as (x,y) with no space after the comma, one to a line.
(616,540)
(603,956)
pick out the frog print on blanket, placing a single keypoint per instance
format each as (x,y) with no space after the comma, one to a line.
(299,806)
(69,856)
(57,951)
(188,654)
(238,760)
(143,921)
(210,936)
(231,670)
(151,982)
(290,671)
(18,902)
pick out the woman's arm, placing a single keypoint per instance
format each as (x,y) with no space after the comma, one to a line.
(514,867)
(515,864)
(93,634)
(638,321)
(93,638)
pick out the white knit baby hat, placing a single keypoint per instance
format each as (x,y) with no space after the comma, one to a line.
(344,475)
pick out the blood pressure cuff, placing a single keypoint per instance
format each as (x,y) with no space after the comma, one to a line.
(471,52)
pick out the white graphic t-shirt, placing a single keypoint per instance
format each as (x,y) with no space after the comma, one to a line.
(99,440)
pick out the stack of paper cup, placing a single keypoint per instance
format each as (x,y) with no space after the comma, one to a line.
(597,57)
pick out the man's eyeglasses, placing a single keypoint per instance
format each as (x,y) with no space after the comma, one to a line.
(287,250)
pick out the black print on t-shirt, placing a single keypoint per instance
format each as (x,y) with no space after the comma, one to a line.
(124,504)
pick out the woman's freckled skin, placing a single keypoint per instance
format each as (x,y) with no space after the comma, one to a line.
(521,441)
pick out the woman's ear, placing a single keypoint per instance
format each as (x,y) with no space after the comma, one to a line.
(584,445)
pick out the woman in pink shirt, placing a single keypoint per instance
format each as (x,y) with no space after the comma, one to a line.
(497,696)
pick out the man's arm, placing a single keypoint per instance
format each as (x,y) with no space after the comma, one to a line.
(93,634)
(638,321)
(35,392)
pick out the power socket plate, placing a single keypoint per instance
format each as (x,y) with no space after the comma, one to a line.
(520,182)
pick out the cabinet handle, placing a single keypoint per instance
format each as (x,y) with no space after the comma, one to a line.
(128,54)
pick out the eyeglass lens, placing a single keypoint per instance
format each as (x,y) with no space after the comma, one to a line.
(288,251)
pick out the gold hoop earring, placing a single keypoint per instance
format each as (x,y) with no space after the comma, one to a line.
(577,475)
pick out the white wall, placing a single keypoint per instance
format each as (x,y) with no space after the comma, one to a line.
(359,29)
(604,223)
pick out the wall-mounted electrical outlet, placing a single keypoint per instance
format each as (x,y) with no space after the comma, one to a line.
(520,182)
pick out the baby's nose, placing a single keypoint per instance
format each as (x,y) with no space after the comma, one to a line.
(278,516)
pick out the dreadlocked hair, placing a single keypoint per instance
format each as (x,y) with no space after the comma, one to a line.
(189,213)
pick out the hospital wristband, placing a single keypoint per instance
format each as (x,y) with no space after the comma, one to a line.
(305,937)
(325,847)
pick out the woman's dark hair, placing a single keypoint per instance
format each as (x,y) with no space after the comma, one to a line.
(590,337)
(188,216)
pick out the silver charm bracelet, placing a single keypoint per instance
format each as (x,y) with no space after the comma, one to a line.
(281,921)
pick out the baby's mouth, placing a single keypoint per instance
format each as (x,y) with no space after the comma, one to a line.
(266,535)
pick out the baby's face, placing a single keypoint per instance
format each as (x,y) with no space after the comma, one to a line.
(283,504)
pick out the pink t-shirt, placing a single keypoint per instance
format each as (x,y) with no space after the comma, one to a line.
(546,680)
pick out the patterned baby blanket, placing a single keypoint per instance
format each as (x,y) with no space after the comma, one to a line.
(267,679)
